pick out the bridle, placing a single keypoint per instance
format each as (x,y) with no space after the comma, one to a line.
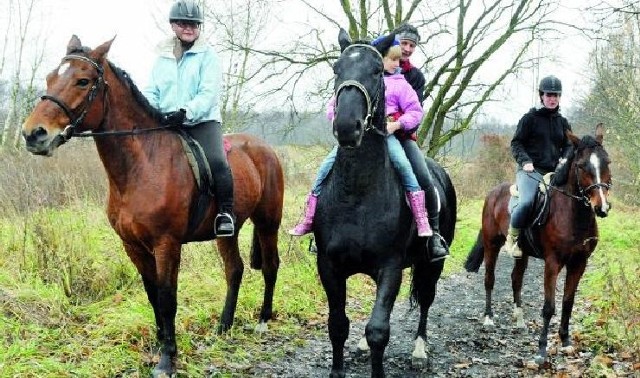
(582,191)
(74,121)
(70,130)
(372,105)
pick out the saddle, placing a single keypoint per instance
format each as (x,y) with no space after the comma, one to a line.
(538,215)
(194,149)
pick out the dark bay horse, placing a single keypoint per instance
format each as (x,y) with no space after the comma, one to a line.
(363,223)
(567,239)
(152,188)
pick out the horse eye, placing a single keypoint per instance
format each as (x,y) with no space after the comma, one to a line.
(83,82)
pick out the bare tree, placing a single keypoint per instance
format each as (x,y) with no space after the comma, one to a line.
(615,93)
(460,39)
(23,90)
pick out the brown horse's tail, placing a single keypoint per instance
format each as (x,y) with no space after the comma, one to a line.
(476,256)
(256,251)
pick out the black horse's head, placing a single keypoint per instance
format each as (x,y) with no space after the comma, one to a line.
(359,89)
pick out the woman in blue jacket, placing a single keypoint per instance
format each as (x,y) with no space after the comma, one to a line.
(185,85)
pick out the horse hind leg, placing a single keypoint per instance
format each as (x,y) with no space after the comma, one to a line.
(517,276)
(424,281)
(265,244)
(491,251)
(233,270)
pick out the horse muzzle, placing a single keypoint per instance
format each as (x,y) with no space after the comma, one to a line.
(349,135)
(40,142)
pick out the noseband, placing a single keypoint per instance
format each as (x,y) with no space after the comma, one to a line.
(371,105)
(75,121)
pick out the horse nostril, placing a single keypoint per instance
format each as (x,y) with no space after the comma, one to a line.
(35,135)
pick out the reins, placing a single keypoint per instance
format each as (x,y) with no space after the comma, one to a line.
(70,130)
(583,191)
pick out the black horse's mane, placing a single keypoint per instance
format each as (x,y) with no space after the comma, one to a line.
(123,76)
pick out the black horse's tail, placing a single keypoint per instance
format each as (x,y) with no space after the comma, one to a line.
(256,251)
(476,256)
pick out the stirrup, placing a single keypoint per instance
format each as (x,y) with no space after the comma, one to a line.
(432,257)
(224,225)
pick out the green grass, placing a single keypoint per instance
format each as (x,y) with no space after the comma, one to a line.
(72,304)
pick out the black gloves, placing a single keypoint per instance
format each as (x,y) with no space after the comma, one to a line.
(174,118)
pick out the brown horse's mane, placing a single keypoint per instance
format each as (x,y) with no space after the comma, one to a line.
(124,77)
(138,97)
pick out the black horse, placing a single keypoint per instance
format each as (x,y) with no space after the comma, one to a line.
(363,223)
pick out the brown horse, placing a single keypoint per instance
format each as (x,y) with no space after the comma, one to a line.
(152,190)
(566,239)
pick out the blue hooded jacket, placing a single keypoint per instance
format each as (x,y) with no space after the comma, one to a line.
(193,83)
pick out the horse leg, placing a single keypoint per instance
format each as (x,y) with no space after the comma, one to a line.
(517,275)
(574,273)
(377,329)
(233,271)
(490,259)
(424,282)
(336,289)
(551,270)
(268,242)
(160,276)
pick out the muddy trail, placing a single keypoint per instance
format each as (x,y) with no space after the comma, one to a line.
(459,346)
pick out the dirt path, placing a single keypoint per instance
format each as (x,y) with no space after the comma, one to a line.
(458,344)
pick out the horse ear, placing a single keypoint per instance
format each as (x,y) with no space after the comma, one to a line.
(572,137)
(74,44)
(599,132)
(343,39)
(384,45)
(101,51)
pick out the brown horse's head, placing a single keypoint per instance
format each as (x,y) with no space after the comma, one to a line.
(591,169)
(74,101)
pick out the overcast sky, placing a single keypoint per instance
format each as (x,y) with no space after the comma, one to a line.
(139,24)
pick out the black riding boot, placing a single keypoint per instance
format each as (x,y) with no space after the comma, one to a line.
(225,220)
(437,246)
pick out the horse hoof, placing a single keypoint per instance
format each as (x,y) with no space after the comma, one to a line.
(262,328)
(363,346)
(568,350)
(488,322)
(161,373)
(419,351)
(539,360)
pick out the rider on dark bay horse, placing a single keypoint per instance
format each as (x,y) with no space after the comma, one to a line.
(404,113)
(185,85)
(540,145)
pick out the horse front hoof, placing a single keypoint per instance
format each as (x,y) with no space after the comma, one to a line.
(568,350)
(419,351)
(539,359)
(261,328)
(488,322)
(165,368)
(337,374)
(363,346)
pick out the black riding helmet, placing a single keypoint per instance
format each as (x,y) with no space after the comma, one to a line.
(185,10)
(550,84)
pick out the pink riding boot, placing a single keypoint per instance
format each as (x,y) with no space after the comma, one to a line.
(416,202)
(306,225)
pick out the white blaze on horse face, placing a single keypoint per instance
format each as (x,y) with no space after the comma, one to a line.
(63,67)
(354,55)
(595,161)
